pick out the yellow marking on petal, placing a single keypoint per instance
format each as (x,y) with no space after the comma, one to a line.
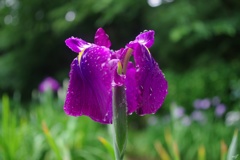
(147,50)
(80,55)
(126,59)
(119,68)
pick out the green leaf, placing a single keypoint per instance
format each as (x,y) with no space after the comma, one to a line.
(107,145)
(232,152)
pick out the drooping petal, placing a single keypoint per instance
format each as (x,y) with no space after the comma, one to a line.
(89,91)
(146,38)
(151,83)
(76,44)
(131,88)
(101,38)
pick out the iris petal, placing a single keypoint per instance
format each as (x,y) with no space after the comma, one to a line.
(151,83)
(101,38)
(89,91)
(146,38)
(131,88)
(76,44)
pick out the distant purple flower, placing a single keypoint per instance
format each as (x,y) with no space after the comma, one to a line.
(198,116)
(48,84)
(220,110)
(178,112)
(202,103)
(97,68)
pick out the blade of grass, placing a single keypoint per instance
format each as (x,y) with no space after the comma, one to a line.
(201,153)
(108,146)
(168,138)
(5,112)
(223,150)
(51,140)
(176,151)
(232,152)
(5,130)
(161,151)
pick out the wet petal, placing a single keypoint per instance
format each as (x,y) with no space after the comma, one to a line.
(76,44)
(131,88)
(118,80)
(101,38)
(146,38)
(89,91)
(151,83)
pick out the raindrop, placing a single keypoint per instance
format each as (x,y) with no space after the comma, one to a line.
(103,64)
(138,70)
(151,91)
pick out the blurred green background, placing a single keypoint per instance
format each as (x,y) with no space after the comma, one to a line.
(197,45)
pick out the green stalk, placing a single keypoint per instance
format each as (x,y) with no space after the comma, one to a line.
(119,121)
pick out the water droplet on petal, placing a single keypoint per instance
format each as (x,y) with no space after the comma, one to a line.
(103,64)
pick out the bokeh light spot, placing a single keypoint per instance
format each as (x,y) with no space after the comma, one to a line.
(70,16)
(154,3)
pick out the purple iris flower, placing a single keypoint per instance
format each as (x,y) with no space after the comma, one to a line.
(48,83)
(220,110)
(178,112)
(202,103)
(97,69)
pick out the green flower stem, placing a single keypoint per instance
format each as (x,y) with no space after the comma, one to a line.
(119,121)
